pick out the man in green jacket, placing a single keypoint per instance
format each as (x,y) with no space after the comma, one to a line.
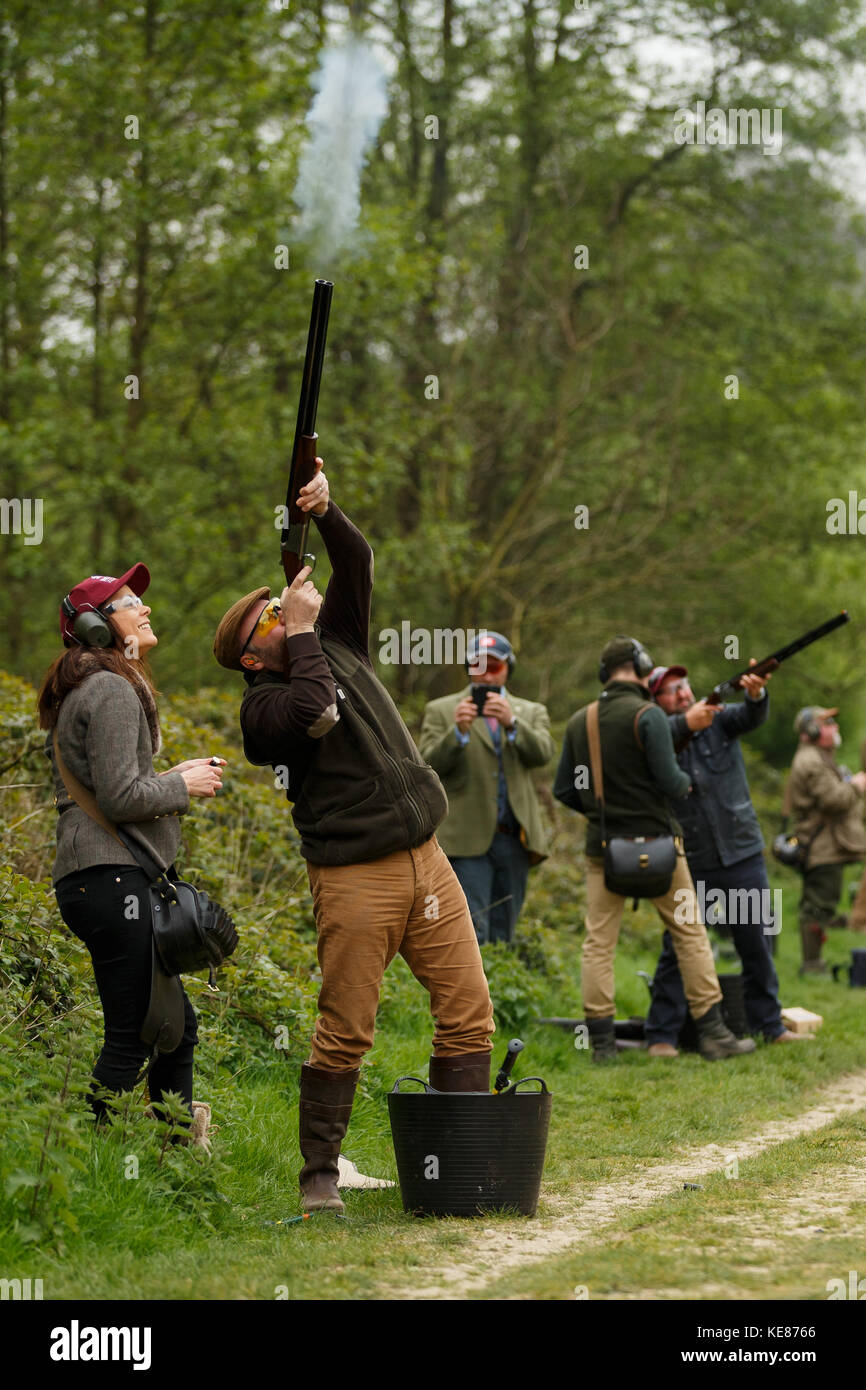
(483,749)
(827,809)
(641,776)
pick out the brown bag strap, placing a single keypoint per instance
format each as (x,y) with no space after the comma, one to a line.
(79,793)
(145,859)
(645,705)
(594,739)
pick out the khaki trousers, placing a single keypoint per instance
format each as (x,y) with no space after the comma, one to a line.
(408,903)
(691,943)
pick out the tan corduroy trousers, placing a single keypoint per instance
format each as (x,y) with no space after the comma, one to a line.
(408,903)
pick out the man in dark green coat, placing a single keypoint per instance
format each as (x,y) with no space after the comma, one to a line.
(641,777)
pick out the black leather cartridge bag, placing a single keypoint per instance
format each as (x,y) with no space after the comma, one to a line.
(190,931)
(640,866)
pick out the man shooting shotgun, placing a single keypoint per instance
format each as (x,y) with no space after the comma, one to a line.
(723,840)
(366,807)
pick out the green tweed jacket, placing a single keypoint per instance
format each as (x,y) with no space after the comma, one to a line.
(470,775)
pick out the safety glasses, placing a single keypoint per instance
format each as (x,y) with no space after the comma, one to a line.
(119,604)
(267,621)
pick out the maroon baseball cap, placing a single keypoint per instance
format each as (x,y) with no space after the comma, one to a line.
(659,674)
(94,591)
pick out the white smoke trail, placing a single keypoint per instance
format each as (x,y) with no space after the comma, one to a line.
(350,102)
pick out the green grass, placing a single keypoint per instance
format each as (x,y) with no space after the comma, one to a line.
(188,1228)
(169,1234)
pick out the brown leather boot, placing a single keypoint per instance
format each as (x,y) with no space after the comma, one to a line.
(323,1116)
(468,1072)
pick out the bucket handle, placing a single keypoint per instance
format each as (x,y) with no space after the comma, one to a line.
(512,1089)
(509,1090)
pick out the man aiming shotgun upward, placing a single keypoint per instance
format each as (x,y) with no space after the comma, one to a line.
(366,807)
(633,781)
(723,846)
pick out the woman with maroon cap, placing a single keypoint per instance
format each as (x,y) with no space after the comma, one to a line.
(98,701)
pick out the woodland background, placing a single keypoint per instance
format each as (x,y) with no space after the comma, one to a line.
(557,386)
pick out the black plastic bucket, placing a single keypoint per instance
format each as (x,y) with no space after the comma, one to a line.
(464,1152)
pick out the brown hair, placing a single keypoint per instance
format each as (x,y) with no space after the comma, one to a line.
(73,666)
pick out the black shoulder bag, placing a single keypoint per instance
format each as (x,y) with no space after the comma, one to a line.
(640,866)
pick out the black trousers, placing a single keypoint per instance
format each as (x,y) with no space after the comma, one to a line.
(760,983)
(107,908)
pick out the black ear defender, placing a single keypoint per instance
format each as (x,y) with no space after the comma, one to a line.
(641,661)
(89,627)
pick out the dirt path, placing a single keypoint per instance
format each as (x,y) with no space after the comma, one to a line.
(494,1250)
(795,1216)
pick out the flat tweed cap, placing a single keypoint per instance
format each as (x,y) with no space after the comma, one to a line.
(227,643)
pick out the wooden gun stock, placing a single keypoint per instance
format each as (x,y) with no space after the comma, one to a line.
(293,551)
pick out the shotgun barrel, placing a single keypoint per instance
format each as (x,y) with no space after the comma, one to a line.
(769,663)
(294,535)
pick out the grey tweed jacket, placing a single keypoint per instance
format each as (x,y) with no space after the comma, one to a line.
(105,741)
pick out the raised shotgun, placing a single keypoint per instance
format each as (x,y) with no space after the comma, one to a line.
(775,659)
(294,535)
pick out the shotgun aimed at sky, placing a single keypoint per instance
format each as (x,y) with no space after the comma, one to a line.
(769,663)
(344,118)
(295,532)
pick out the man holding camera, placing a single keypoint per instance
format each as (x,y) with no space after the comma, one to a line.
(640,777)
(483,742)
